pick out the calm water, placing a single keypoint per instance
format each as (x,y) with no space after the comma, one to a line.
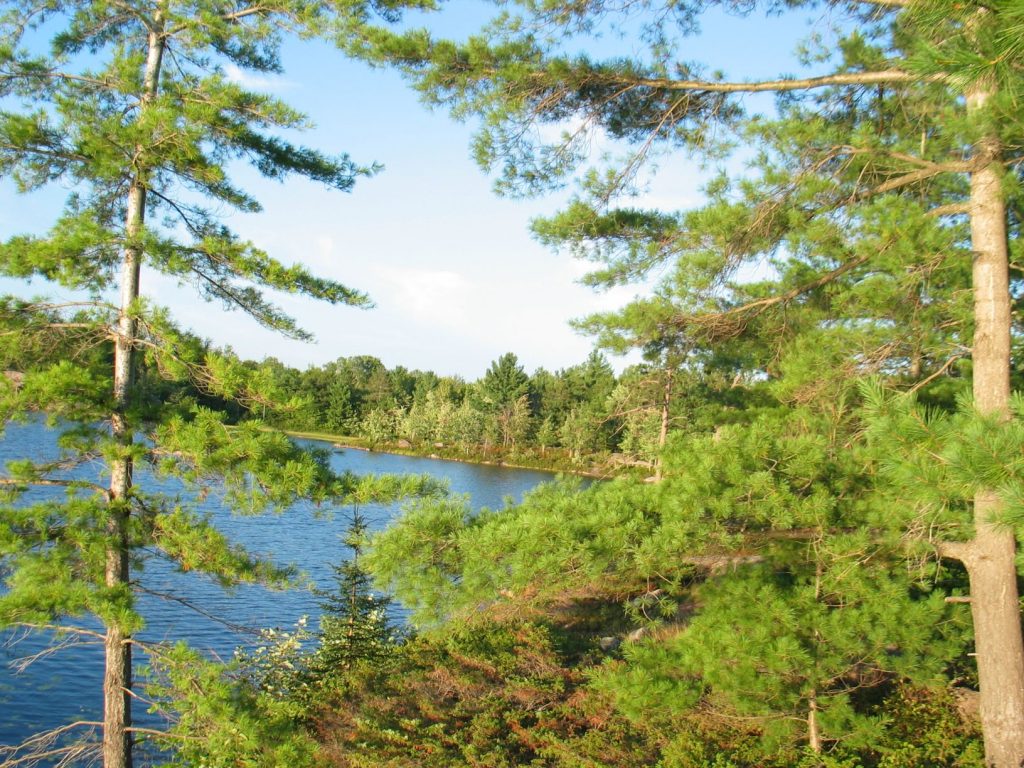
(66,686)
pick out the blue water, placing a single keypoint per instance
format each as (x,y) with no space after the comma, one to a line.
(66,686)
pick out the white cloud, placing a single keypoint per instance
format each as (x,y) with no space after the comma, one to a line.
(430,296)
(257,82)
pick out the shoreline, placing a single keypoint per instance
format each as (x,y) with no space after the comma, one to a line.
(345,442)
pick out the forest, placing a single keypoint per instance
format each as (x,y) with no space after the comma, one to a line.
(806,553)
(583,418)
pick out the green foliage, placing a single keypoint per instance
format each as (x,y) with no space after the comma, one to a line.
(937,460)
(927,727)
(422,560)
(505,382)
(500,416)
(221,719)
(355,626)
(259,710)
(775,525)
(277,666)
(830,634)
(778,585)
(380,426)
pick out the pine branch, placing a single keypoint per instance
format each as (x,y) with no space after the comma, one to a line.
(942,370)
(915,176)
(879,77)
(952,209)
(962,551)
(732,321)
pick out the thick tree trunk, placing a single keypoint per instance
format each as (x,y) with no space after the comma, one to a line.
(117,678)
(990,557)
(117,712)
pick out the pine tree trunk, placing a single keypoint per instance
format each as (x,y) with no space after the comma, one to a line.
(813,729)
(117,743)
(666,401)
(990,557)
(117,678)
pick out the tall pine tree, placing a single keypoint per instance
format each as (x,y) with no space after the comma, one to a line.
(934,167)
(130,106)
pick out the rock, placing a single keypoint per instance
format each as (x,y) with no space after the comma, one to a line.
(403,443)
(968,704)
(637,634)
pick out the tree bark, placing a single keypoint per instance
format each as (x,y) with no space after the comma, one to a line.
(813,729)
(666,401)
(990,557)
(117,678)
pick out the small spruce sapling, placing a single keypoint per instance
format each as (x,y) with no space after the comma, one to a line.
(355,626)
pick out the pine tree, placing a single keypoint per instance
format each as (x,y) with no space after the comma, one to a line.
(355,625)
(504,394)
(896,161)
(129,105)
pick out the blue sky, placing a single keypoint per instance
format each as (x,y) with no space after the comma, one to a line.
(455,276)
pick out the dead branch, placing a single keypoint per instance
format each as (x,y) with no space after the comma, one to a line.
(22,663)
(204,613)
(45,747)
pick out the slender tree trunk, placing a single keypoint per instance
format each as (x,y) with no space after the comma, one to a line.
(813,729)
(117,678)
(813,726)
(990,557)
(666,401)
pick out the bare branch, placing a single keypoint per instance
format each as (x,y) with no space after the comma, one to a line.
(48,306)
(786,84)
(955,550)
(22,663)
(58,483)
(720,562)
(953,209)
(945,367)
(204,613)
(244,12)
(915,176)
(162,734)
(904,157)
(44,747)
(60,628)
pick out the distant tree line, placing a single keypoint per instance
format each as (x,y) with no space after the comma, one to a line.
(574,413)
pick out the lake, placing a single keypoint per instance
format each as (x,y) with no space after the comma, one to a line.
(66,686)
